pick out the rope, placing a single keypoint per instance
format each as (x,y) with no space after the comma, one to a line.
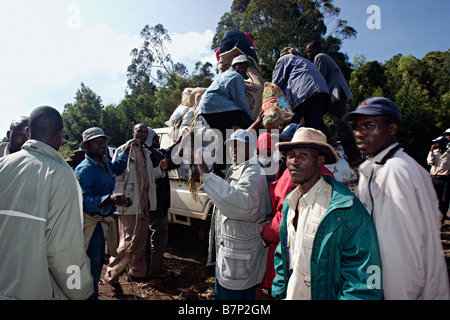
(140,166)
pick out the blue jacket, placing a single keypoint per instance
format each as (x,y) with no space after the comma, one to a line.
(299,79)
(226,93)
(97,184)
(345,259)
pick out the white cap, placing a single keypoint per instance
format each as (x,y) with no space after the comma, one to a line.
(242,135)
(240,59)
(447,131)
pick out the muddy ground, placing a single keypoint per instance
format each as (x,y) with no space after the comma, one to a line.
(186,257)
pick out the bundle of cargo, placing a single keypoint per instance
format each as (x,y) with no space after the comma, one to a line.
(277,111)
(184,114)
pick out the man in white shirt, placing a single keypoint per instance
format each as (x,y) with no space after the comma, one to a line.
(400,197)
(328,246)
(439,160)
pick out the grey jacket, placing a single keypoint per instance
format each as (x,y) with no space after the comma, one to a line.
(242,202)
(333,76)
(41,219)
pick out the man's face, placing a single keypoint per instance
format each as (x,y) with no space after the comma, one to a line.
(241,68)
(140,133)
(311,52)
(374,134)
(96,146)
(304,165)
(155,142)
(17,137)
(240,151)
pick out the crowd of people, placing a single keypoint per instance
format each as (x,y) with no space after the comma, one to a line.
(300,234)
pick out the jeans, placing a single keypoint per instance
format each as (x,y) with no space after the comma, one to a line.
(96,253)
(222,293)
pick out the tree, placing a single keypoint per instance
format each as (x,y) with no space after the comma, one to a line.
(86,112)
(277,24)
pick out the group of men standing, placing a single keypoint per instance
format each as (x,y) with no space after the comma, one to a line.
(382,241)
(60,219)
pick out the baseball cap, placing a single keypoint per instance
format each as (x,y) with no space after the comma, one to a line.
(447,131)
(243,136)
(375,106)
(240,59)
(289,131)
(440,139)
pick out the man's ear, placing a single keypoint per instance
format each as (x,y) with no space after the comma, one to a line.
(321,160)
(393,128)
(27,132)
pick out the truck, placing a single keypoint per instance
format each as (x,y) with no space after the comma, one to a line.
(184,209)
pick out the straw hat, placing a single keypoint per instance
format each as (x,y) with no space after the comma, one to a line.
(313,139)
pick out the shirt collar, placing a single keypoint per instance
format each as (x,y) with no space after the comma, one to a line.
(366,166)
(309,197)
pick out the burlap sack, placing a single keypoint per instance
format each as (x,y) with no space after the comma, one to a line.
(277,111)
(187,97)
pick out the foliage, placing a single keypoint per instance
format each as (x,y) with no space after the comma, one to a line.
(154,88)
(419,87)
(278,24)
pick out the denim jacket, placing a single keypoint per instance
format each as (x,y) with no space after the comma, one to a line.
(226,93)
(97,184)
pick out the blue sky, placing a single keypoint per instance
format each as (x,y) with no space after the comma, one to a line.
(50,46)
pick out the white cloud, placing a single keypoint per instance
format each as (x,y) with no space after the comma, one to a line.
(44,63)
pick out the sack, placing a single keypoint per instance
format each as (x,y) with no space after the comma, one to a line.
(187,97)
(277,111)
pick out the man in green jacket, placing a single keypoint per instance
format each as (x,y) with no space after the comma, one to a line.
(328,246)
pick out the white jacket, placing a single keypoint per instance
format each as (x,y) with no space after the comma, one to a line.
(41,219)
(132,182)
(241,204)
(403,204)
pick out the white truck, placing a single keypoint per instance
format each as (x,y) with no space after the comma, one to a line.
(184,209)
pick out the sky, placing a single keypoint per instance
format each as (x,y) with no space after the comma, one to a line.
(49,47)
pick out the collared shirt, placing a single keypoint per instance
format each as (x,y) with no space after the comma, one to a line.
(97,184)
(311,208)
(440,163)
(400,197)
(226,93)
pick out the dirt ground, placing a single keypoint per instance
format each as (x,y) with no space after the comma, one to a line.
(186,257)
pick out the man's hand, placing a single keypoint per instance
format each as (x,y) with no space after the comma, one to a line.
(119,199)
(164,164)
(130,144)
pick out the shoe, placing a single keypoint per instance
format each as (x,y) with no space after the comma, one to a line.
(138,279)
(164,274)
(116,288)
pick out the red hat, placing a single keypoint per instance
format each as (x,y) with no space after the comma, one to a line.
(265,143)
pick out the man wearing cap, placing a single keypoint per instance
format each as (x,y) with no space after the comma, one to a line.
(241,202)
(97,180)
(304,87)
(224,104)
(328,246)
(399,195)
(439,160)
